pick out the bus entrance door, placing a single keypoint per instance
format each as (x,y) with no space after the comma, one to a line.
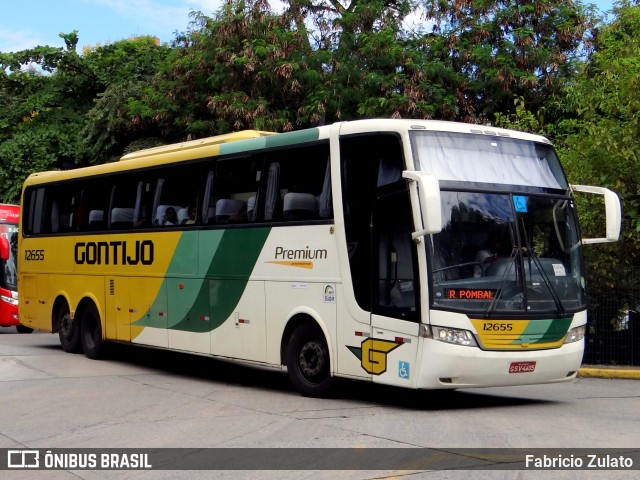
(395,299)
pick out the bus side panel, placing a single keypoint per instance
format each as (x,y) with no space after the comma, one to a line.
(148,300)
(157,335)
(189,320)
(29,305)
(117,317)
(37,259)
(313,300)
(300,268)
(244,334)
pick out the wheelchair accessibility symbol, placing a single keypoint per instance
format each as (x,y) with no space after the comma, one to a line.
(520,203)
(403,370)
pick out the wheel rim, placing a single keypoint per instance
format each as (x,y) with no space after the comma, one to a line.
(66,326)
(91,332)
(311,360)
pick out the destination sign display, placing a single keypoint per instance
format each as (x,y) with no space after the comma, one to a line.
(471,293)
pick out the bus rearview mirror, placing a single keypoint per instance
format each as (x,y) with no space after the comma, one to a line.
(612,210)
(430,201)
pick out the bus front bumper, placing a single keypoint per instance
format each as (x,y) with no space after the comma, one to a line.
(445,365)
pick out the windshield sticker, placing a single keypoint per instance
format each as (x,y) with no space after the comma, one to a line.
(520,203)
(558,270)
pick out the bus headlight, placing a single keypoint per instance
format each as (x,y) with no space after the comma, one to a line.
(9,300)
(454,335)
(575,334)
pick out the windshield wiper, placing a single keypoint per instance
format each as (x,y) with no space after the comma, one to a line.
(543,274)
(503,279)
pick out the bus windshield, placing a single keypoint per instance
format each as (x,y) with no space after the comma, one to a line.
(9,270)
(506,247)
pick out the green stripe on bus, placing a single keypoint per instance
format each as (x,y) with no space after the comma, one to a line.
(545,331)
(233,255)
(243,146)
(291,138)
(270,141)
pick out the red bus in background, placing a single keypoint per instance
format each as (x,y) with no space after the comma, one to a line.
(9,216)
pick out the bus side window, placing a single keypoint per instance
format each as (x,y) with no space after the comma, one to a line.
(91,212)
(121,218)
(300,206)
(325,200)
(143,205)
(34,223)
(272,192)
(96,220)
(231,211)
(122,202)
(299,185)
(177,192)
(208,212)
(233,196)
(59,208)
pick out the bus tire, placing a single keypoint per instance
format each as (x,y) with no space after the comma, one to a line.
(24,329)
(308,362)
(91,332)
(68,331)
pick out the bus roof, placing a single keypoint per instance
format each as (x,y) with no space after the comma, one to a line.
(197,144)
(251,140)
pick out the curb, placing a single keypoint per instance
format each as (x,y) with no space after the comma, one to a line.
(610,373)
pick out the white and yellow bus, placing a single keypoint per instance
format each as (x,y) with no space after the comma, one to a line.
(414,253)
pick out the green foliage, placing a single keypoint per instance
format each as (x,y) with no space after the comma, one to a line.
(59,108)
(37,145)
(504,50)
(118,112)
(45,92)
(144,143)
(523,119)
(601,140)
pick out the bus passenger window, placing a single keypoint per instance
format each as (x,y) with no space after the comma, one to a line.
(231,211)
(167,215)
(121,218)
(300,206)
(96,220)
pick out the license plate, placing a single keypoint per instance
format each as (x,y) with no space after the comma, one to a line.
(522,367)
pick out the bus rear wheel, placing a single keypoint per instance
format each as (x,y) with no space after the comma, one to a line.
(68,331)
(308,362)
(91,332)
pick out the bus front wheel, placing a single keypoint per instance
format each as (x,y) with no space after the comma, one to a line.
(68,331)
(91,332)
(308,361)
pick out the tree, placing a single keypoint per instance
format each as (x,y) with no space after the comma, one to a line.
(603,141)
(504,50)
(123,71)
(62,109)
(320,61)
(45,88)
